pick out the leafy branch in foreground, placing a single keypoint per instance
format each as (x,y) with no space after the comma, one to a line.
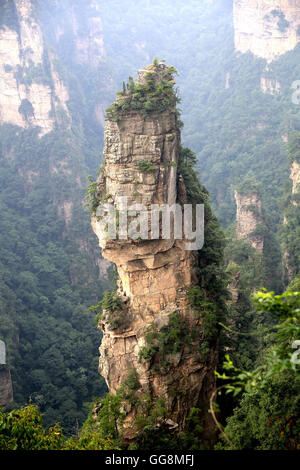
(281,355)
(24,430)
(110,303)
(257,428)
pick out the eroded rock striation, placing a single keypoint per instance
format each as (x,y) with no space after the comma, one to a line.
(295,177)
(31,90)
(141,160)
(267,28)
(290,248)
(6,390)
(249,218)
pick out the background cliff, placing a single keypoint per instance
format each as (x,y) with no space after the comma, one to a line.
(6,391)
(268,29)
(51,137)
(32,93)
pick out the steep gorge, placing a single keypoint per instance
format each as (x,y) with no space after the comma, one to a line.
(50,266)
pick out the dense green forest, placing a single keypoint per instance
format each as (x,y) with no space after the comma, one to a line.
(46,286)
(49,274)
(49,271)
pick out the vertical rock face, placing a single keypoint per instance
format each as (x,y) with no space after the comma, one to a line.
(295,177)
(30,93)
(249,218)
(154,275)
(290,225)
(89,42)
(267,28)
(75,29)
(6,390)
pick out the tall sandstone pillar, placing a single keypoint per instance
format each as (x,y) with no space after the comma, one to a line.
(154,275)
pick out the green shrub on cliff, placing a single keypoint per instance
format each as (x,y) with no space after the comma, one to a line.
(169,339)
(148,97)
(91,196)
(145,166)
(113,306)
(24,429)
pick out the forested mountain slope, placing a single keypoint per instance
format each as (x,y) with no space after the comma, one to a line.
(51,134)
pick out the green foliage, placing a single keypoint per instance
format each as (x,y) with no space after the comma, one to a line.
(92,196)
(112,306)
(282,23)
(154,95)
(8,15)
(196,296)
(207,313)
(294,284)
(109,416)
(111,301)
(279,357)
(290,236)
(187,161)
(151,421)
(268,418)
(91,440)
(34,74)
(250,270)
(290,204)
(23,430)
(153,432)
(249,185)
(190,438)
(145,166)
(212,278)
(294,147)
(150,414)
(169,339)
(46,282)
(268,414)
(209,297)
(286,309)
(132,382)
(26,109)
